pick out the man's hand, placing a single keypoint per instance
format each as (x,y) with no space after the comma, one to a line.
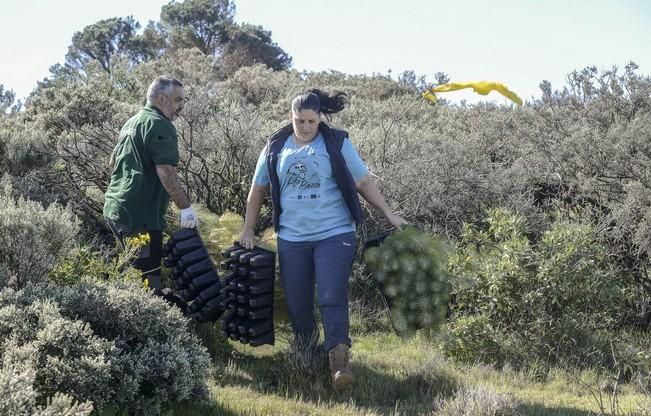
(189,218)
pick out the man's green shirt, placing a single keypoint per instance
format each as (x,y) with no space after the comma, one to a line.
(135,196)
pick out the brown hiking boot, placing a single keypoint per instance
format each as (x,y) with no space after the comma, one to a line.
(339,357)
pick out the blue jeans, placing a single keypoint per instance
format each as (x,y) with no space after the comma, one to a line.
(327,263)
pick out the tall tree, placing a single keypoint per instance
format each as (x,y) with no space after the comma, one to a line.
(198,23)
(249,45)
(7,98)
(104,40)
(148,45)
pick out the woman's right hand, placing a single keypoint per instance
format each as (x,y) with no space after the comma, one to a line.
(247,239)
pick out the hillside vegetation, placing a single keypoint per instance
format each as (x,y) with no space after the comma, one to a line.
(545,210)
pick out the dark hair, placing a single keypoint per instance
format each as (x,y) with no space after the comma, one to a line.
(320,101)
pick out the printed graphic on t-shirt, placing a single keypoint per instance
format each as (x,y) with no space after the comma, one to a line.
(303,180)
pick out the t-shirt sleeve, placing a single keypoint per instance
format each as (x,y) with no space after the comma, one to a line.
(163,147)
(355,164)
(261,176)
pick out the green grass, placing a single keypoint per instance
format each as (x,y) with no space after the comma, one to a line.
(394,376)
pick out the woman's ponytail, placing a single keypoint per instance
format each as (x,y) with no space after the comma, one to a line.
(320,101)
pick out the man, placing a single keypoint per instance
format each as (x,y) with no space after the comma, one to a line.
(144,176)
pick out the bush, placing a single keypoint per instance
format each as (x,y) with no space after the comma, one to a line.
(65,355)
(480,401)
(492,268)
(87,262)
(31,237)
(472,338)
(19,397)
(110,343)
(21,147)
(576,278)
(552,297)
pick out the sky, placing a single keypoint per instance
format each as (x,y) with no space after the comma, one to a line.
(517,42)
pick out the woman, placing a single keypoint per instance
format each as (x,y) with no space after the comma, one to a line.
(315,174)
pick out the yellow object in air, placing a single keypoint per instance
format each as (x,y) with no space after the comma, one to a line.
(480,87)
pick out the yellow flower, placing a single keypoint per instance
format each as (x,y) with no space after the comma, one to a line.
(140,240)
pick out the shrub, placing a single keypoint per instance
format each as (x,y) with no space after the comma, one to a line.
(111,343)
(491,268)
(633,363)
(472,338)
(87,262)
(575,277)
(64,353)
(551,297)
(20,147)
(19,397)
(480,401)
(31,237)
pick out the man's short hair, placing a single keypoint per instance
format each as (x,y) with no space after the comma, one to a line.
(161,85)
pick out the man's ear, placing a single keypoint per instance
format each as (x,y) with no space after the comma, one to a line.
(289,115)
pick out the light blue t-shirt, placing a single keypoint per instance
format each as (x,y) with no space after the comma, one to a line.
(313,207)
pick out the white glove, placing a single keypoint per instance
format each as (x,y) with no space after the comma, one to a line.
(189,218)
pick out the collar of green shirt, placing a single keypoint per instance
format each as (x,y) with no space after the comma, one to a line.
(155,109)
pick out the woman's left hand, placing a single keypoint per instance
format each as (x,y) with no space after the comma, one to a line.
(396,220)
